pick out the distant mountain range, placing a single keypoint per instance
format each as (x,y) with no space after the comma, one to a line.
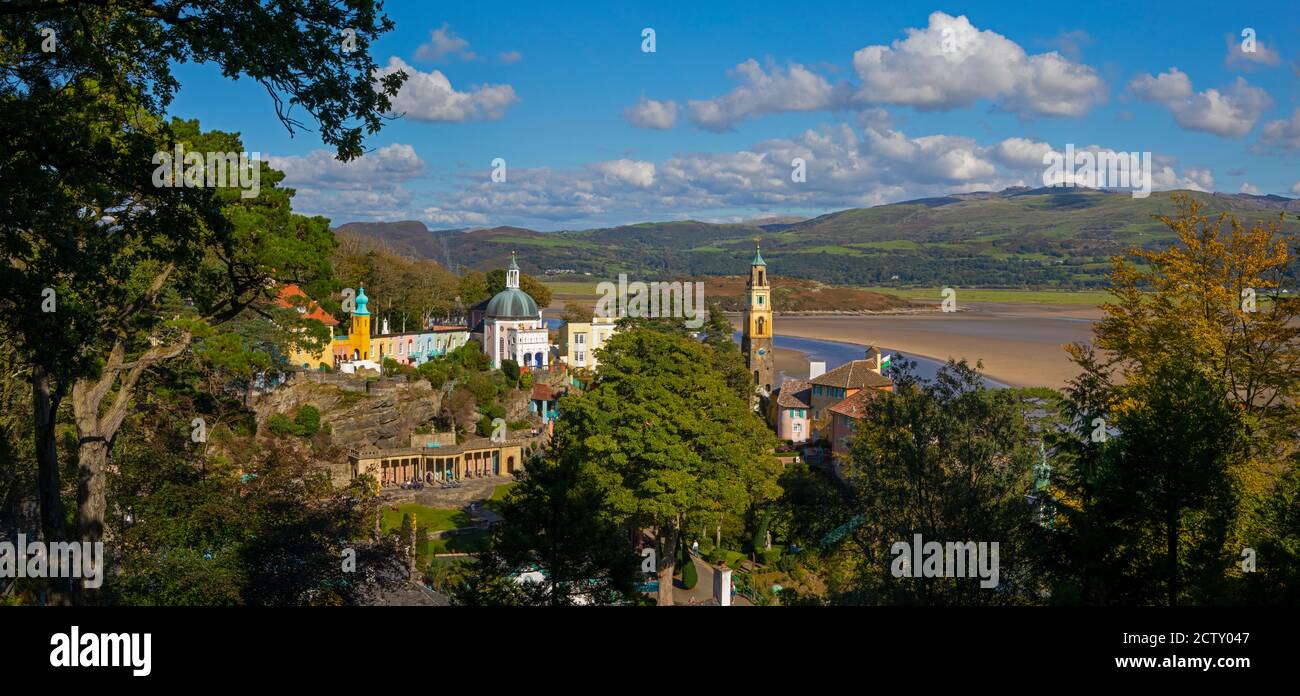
(1018,237)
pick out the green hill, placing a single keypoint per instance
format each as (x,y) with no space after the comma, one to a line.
(1039,238)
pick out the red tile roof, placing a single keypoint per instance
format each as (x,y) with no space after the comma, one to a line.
(541,392)
(794,393)
(856,405)
(292,296)
(856,374)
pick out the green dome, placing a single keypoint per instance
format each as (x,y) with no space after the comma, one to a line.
(512,303)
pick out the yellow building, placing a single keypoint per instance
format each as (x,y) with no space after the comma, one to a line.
(291,296)
(579,341)
(756,342)
(436,462)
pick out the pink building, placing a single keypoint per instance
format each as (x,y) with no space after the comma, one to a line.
(790,405)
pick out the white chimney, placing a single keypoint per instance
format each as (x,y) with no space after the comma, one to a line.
(816,369)
(722,585)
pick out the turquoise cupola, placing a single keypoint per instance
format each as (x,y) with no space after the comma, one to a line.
(362,301)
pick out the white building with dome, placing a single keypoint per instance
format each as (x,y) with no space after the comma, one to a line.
(513,328)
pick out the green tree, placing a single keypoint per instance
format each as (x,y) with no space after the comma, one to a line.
(1167,498)
(951,461)
(665,440)
(473,288)
(556,522)
(120,253)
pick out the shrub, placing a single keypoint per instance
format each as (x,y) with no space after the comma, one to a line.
(690,576)
(770,556)
(279,424)
(307,422)
(511,370)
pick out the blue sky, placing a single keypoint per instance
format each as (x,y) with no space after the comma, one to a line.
(882,101)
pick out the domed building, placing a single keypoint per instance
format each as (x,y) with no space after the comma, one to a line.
(513,328)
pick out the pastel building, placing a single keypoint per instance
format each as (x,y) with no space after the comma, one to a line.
(435,460)
(362,347)
(292,296)
(513,328)
(579,341)
(789,410)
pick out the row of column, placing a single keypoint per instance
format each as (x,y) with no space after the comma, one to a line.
(403,469)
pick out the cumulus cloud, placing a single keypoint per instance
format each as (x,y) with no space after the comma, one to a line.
(1240,58)
(641,174)
(649,113)
(952,64)
(1247,187)
(509,57)
(1021,153)
(762,92)
(846,166)
(443,43)
(1296,188)
(366,187)
(430,97)
(1280,136)
(1230,113)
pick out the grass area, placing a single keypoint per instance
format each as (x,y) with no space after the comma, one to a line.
(1085,298)
(469,541)
(431,519)
(578,288)
(494,503)
(436,519)
(890,244)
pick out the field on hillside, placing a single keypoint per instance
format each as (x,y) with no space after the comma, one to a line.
(1039,239)
(1089,298)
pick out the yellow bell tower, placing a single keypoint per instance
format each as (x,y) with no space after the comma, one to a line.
(756,342)
(359,332)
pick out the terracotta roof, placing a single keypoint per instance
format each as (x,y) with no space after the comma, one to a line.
(855,406)
(292,296)
(794,393)
(856,374)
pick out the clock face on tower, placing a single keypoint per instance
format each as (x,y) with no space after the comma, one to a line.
(762,351)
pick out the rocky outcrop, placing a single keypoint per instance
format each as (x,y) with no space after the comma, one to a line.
(383,416)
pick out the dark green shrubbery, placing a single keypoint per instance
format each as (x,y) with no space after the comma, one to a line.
(690,576)
(305,424)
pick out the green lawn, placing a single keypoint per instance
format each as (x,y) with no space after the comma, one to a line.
(494,503)
(1088,298)
(436,519)
(581,288)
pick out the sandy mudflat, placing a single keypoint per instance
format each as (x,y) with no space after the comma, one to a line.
(1020,345)
(791,362)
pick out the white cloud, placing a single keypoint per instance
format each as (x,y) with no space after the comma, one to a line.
(443,43)
(762,92)
(430,97)
(1229,114)
(1296,188)
(641,174)
(509,57)
(952,64)
(438,216)
(1167,87)
(368,187)
(1021,153)
(649,113)
(1281,135)
(1247,187)
(1237,57)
